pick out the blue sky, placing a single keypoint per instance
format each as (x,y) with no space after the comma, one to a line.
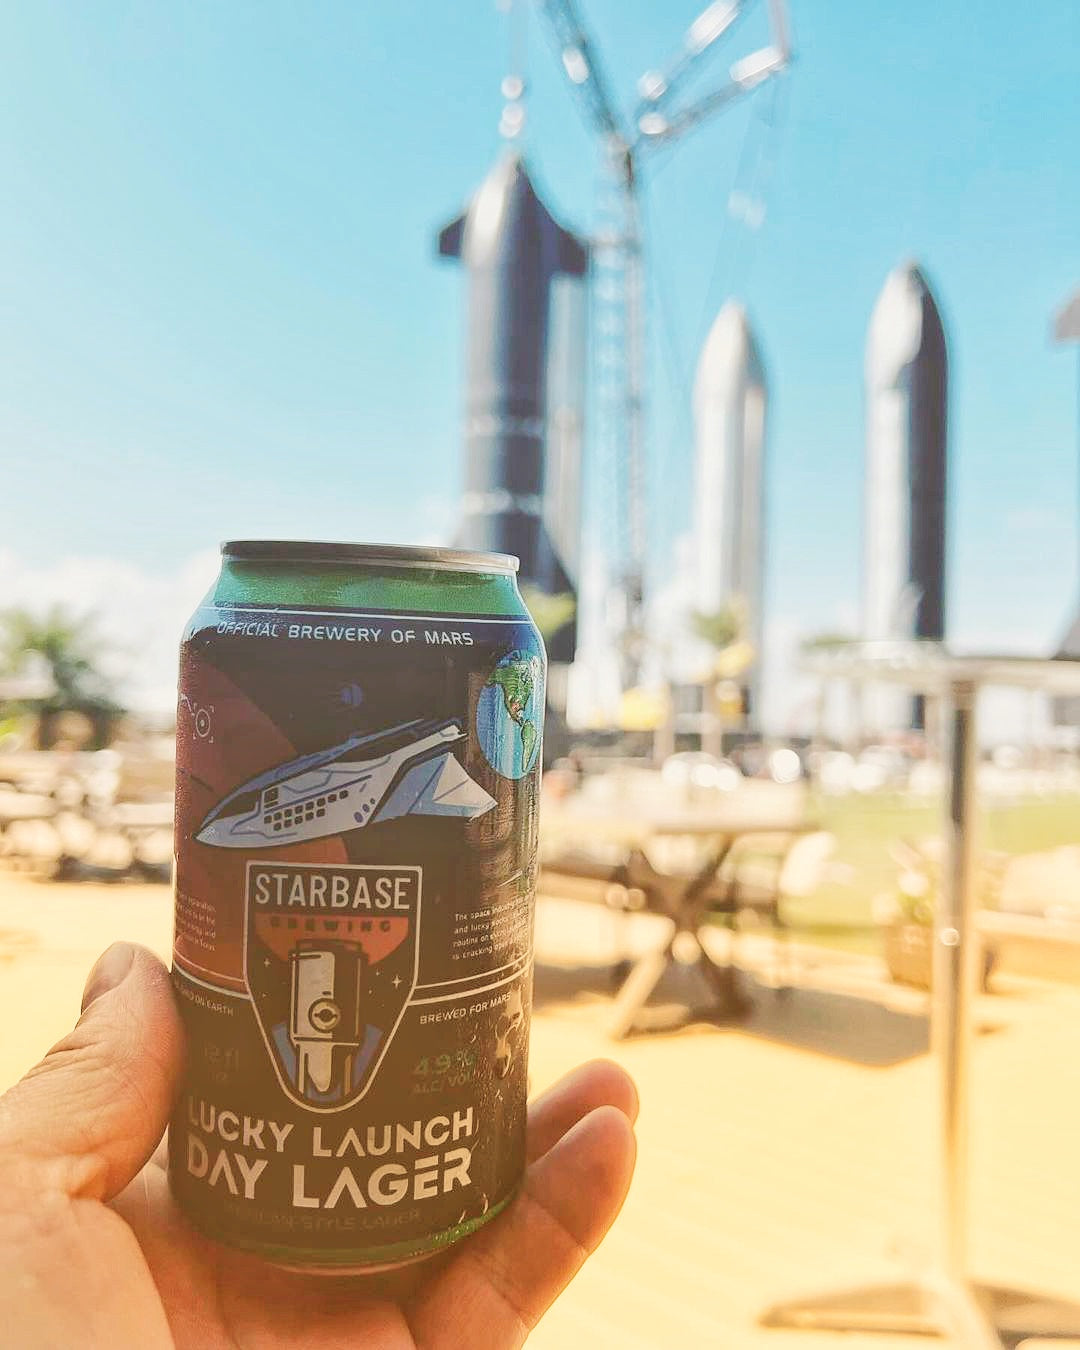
(222,314)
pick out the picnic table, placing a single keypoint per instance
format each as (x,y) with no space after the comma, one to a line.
(683,897)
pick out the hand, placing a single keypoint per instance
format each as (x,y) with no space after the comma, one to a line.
(93,1252)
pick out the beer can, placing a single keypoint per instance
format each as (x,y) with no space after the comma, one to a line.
(358,760)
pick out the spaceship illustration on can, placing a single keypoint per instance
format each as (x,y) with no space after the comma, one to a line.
(405,770)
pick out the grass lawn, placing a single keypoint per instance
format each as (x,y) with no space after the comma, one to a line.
(839,914)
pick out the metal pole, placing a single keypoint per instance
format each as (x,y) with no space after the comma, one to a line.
(954,984)
(818,738)
(944,1298)
(954,971)
(635,416)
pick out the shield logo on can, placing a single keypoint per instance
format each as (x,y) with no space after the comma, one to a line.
(330,959)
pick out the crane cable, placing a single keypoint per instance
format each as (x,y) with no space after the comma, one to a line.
(767,122)
(759,150)
(514,85)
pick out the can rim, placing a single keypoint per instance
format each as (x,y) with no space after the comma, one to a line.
(396,555)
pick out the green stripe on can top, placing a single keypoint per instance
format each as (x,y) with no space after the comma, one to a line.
(274,572)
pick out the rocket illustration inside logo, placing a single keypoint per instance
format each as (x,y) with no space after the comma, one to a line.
(405,770)
(330,958)
(324,1021)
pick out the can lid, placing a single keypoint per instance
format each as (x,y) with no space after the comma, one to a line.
(392,555)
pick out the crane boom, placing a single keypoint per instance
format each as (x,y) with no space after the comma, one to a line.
(656,86)
(617,253)
(654,127)
(577,52)
(745,74)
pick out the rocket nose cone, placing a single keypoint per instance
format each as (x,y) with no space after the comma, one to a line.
(1070,645)
(728,354)
(503,211)
(512,165)
(896,325)
(728,338)
(213,833)
(512,173)
(913,276)
(1067,320)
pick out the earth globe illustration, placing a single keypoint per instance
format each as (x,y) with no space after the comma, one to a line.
(509,714)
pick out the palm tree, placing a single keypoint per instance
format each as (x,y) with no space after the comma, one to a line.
(721,628)
(725,631)
(70,646)
(825,642)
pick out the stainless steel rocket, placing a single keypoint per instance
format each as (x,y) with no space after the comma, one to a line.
(906,471)
(521,491)
(730,400)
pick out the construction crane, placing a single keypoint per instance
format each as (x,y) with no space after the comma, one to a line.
(659,119)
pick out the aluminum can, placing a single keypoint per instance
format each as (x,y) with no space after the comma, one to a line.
(358,759)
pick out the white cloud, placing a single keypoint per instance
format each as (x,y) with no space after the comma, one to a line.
(140,614)
(787,696)
(593,691)
(433,521)
(677,653)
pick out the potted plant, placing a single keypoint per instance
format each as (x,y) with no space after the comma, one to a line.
(906,915)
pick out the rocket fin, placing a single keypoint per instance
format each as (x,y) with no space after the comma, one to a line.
(451,237)
(573,255)
(436,787)
(456,793)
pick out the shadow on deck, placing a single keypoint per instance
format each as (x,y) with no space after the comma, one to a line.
(840,1026)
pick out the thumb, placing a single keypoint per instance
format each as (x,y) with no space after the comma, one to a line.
(87,1118)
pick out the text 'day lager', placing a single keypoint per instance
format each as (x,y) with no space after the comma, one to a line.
(358,761)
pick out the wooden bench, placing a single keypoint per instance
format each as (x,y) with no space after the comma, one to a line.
(1026,944)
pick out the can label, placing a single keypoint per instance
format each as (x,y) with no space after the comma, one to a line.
(356,837)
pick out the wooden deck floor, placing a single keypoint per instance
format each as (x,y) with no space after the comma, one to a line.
(792,1153)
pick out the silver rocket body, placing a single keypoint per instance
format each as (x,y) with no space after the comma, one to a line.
(522,493)
(904,541)
(730,403)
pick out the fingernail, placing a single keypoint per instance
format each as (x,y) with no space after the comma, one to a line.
(110,969)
